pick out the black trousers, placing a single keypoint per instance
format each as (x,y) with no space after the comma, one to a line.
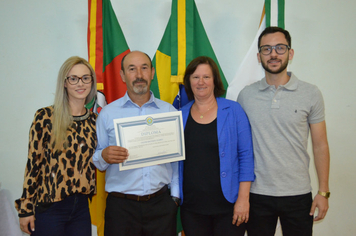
(210,225)
(155,217)
(293,212)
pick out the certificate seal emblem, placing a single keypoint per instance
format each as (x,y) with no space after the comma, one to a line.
(149,121)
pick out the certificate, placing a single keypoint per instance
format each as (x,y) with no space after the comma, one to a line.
(151,139)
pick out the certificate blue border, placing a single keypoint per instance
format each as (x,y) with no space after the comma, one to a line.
(176,118)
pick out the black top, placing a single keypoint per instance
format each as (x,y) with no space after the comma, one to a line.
(201,177)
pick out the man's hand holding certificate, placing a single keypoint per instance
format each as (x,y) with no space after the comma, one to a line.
(115,154)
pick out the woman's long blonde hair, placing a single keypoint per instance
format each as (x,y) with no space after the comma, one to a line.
(62,117)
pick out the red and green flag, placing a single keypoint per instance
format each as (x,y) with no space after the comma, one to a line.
(184,39)
(106,48)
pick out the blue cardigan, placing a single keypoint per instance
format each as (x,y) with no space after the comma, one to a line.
(235,147)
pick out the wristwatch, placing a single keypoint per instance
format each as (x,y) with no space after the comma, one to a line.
(324,194)
(176,200)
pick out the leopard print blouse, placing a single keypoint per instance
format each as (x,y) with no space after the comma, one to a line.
(51,175)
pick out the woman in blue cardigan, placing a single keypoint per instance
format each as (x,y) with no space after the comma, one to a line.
(216,176)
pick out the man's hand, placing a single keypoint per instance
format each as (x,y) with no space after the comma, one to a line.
(115,154)
(322,163)
(24,221)
(322,204)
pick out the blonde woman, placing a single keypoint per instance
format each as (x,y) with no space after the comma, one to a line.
(59,175)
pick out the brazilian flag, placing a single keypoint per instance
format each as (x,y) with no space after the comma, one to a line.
(184,39)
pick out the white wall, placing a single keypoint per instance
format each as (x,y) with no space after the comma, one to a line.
(37,36)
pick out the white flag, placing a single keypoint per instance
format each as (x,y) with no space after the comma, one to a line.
(250,70)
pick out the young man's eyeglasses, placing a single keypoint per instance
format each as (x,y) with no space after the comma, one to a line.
(279,48)
(73,79)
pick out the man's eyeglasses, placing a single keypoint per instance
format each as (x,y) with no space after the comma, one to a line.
(73,79)
(279,48)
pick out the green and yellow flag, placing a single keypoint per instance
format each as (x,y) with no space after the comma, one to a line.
(184,39)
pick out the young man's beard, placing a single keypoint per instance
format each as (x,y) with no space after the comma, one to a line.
(282,68)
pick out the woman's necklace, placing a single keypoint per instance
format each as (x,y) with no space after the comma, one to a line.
(202,114)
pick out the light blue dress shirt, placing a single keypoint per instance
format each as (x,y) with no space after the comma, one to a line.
(140,181)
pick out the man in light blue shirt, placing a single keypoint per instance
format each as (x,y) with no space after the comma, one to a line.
(139,202)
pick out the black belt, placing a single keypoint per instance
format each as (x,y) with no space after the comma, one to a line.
(143,198)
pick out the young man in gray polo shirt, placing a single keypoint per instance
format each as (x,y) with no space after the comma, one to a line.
(282,110)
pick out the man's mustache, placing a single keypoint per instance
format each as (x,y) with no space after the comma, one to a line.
(139,80)
(274,59)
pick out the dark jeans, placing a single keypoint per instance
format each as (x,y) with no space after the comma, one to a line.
(69,217)
(293,212)
(155,217)
(210,225)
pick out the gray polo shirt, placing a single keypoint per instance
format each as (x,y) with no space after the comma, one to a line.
(280,121)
